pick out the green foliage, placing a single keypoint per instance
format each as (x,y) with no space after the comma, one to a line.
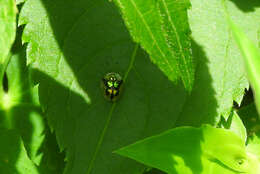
(171,151)
(87,126)
(54,116)
(251,57)
(13,155)
(20,112)
(235,124)
(167,45)
(220,77)
(21,109)
(7,32)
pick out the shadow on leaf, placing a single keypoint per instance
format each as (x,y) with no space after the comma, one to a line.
(247,6)
(202,101)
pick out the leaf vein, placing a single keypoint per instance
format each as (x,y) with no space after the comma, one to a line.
(100,141)
(178,40)
(151,34)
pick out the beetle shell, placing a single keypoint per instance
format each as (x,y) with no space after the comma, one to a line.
(112,86)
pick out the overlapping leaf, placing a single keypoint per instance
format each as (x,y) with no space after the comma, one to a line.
(251,55)
(162,29)
(171,152)
(71,46)
(220,77)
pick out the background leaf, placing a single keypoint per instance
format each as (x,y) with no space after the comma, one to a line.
(220,77)
(250,118)
(70,51)
(7,31)
(20,109)
(168,46)
(251,55)
(13,155)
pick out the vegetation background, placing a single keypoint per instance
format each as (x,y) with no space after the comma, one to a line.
(190,73)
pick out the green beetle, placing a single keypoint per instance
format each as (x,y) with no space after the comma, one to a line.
(112,86)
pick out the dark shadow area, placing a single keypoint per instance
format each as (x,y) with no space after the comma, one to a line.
(247,5)
(201,101)
(53,97)
(5,83)
(10,148)
(250,118)
(53,160)
(154,171)
(248,98)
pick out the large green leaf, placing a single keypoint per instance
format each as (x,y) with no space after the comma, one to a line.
(7,32)
(164,33)
(220,77)
(71,46)
(13,156)
(171,152)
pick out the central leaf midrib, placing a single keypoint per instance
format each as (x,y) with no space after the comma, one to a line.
(100,140)
(178,40)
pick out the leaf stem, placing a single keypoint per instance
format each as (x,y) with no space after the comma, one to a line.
(131,62)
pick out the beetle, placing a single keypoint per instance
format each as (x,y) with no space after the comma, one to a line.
(112,86)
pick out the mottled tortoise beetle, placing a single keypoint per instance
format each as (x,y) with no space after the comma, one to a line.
(112,86)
